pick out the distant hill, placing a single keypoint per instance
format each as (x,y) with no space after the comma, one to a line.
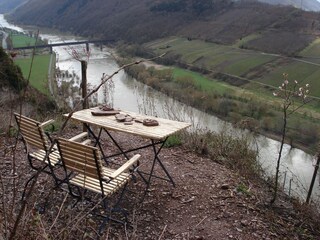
(260,26)
(8,5)
(308,5)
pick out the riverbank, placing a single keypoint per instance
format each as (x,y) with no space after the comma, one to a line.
(243,110)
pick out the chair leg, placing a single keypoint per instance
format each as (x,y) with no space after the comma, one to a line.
(57,180)
(26,186)
(80,196)
(42,207)
(30,159)
(108,218)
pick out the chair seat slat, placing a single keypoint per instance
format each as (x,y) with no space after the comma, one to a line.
(84,161)
(40,154)
(94,184)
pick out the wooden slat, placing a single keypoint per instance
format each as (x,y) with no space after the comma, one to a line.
(81,159)
(46,123)
(114,184)
(94,184)
(86,142)
(76,153)
(85,160)
(90,172)
(166,127)
(34,143)
(79,136)
(31,132)
(74,164)
(18,116)
(76,147)
(40,154)
(125,166)
(108,172)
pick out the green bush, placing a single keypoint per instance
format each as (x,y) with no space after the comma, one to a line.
(10,74)
(173,141)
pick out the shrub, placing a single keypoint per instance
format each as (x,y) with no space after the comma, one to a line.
(10,74)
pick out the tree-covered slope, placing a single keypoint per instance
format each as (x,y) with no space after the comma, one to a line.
(221,21)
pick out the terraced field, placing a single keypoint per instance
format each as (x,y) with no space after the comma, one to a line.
(256,67)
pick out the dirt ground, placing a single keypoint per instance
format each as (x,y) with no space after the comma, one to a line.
(209,201)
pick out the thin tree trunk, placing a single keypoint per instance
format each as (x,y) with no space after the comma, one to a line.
(276,184)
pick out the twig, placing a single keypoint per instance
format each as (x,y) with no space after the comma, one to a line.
(164,229)
(79,217)
(200,221)
(126,232)
(3,207)
(11,177)
(54,222)
(44,235)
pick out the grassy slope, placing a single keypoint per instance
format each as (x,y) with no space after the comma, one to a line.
(213,56)
(209,85)
(22,40)
(39,75)
(242,62)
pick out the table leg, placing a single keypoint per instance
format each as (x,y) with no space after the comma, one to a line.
(97,139)
(156,153)
(156,158)
(124,153)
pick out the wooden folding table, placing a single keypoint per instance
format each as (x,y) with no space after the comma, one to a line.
(157,134)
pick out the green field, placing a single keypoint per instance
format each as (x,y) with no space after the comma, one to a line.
(222,58)
(19,40)
(313,50)
(204,83)
(39,73)
(252,65)
(246,39)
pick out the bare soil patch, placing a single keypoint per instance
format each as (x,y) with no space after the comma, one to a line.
(208,202)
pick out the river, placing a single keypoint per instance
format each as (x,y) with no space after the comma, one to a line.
(129,94)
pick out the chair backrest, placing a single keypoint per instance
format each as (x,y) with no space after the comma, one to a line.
(32,132)
(80,158)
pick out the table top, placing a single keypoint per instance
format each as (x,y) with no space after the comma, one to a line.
(165,128)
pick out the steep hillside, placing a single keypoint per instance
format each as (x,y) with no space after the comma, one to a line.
(8,5)
(139,21)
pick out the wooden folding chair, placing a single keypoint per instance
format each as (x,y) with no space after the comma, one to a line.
(88,173)
(37,144)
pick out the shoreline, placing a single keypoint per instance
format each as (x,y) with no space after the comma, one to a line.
(268,134)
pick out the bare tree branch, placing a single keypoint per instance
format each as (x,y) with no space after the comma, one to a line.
(104,79)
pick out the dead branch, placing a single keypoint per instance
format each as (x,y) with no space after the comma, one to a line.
(163,231)
(55,220)
(5,219)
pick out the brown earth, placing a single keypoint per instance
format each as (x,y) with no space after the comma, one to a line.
(208,202)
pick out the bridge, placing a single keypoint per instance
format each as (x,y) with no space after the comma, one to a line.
(51,45)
